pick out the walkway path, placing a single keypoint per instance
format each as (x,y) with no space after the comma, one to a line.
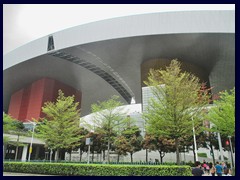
(23,174)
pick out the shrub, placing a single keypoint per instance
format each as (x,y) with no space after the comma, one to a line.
(204,155)
(190,163)
(73,169)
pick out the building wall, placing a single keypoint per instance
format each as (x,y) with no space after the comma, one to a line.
(26,103)
(14,107)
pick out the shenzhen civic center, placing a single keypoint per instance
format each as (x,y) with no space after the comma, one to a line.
(112,57)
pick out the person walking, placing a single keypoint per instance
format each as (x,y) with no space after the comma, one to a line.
(219,169)
(213,170)
(207,168)
(224,166)
(204,165)
(197,171)
(227,172)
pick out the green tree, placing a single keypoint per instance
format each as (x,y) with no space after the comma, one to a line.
(177,105)
(97,143)
(108,119)
(134,138)
(82,142)
(60,128)
(129,139)
(160,144)
(12,126)
(122,146)
(149,144)
(222,115)
(163,146)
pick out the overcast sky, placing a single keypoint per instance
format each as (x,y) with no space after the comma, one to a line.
(24,23)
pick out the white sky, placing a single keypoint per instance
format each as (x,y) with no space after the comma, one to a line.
(23,23)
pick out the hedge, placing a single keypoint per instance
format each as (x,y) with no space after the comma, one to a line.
(68,169)
(204,155)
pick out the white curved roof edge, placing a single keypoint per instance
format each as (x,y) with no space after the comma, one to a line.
(129,26)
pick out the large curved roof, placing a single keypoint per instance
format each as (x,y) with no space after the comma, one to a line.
(104,58)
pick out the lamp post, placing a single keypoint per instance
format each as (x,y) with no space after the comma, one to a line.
(229,137)
(209,145)
(51,152)
(195,142)
(30,148)
(220,146)
(88,141)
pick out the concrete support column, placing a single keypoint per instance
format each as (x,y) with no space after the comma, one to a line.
(24,152)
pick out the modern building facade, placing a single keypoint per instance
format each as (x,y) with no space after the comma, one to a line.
(27,103)
(109,57)
(113,57)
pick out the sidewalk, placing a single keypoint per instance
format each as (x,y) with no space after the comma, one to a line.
(23,174)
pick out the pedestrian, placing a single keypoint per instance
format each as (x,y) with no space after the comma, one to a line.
(197,171)
(210,165)
(207,168)
(227,172)
(204,166)
(213,170)
(219,169)
(224,166)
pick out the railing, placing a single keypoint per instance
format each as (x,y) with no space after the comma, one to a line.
(85,162)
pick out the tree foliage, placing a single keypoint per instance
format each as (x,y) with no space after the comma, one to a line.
(179,99)
(161,144)
(60,128)
(222,115)
(82,142)
(108,119)
(134,139)
(11,125)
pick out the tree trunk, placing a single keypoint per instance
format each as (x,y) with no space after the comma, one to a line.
(212,153)
(118,158)
(131,157)
(70,154)
(177,151)
(80,155)
(56,155)
(104,157)
(17,148)
(146,155)
(194,155)
(92,156)
(108,151)
(5,150)
(51,153)
(161,154)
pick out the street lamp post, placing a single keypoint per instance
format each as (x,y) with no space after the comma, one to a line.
(211,150)
(195,142)
(30,148)
(88,142)
(220,146)
(231,151)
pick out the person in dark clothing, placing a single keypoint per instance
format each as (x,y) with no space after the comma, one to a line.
(210,165)
(197,171)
